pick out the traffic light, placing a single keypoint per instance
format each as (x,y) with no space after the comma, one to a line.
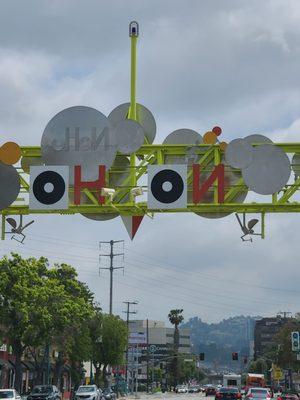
(295,341)
(235,356)
(201,356)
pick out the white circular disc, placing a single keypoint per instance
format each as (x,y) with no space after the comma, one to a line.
(239,153)
(269,171)
(296,164)
(129,135)
(183,136)
(144,116)
(256,138)
(79,136)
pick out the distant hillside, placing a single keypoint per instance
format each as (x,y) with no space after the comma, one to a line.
(219,340)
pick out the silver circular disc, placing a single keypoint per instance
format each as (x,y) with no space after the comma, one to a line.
(9,185)
(117,174)
(296,164)
(269,171)
(145,118)
(239,153)
(130,136)
(183,136)
(256,138)
(79,136)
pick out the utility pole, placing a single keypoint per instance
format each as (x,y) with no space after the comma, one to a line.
(128,312)
(147,355)
(111,268)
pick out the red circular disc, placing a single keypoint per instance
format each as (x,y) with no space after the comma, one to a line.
(217,130)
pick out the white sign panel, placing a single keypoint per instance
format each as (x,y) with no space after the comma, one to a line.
(167,186)
(49,188)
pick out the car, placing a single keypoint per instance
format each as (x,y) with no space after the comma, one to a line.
(44,392)
(210,391)
(194,389)
(88,392)
(9,394)
(258,393)
(288,396)
(181,389)
(225,393)
(109,394)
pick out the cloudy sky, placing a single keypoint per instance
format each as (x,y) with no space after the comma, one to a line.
(200,63)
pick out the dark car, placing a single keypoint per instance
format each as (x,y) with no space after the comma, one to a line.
(109,394)
(44,392)
(210,391)
(228,393)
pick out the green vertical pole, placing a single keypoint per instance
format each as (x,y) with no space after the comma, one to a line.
(133,32)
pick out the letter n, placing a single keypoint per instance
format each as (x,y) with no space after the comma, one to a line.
(199,192)
(97,185)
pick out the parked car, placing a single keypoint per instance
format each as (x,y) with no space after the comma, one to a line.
(258,393)
(88,392)
(109,394)
(194,389)
(210,391)
(181,389)
(9,394)
(230,393)
(44,392)
(288,396)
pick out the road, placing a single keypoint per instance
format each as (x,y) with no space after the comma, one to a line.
(171,396)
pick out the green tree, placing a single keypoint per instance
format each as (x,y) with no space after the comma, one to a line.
(109,340)
(35,305)
(176,318)
(285,357)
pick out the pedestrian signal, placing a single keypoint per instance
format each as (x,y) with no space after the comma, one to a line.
(235,356)
(295,341)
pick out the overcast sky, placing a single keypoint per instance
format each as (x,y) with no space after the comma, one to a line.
(200,63)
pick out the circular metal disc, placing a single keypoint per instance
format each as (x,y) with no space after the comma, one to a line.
(270,170)
(145,118)
(183,136)
(239,153)
(296,164)
(129,135)
(256,138)
(9,185)
(117,174)
(79,136)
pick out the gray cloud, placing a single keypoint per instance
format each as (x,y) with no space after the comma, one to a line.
(234,63)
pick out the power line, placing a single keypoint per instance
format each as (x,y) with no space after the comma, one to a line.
(111,268)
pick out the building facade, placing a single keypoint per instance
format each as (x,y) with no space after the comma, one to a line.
(155,349)
(264,333)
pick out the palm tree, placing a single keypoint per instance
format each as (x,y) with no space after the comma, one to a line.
(176,317)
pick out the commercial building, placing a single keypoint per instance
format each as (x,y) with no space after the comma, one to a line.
(264,333)
(158,353)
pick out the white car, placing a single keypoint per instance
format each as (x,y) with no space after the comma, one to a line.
(9,394)
(181,389)
(88,392)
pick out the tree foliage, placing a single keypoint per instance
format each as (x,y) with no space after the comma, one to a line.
(40,306)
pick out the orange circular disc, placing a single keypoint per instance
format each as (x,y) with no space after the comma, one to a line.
(223,146)
(10,153)
(209,138)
